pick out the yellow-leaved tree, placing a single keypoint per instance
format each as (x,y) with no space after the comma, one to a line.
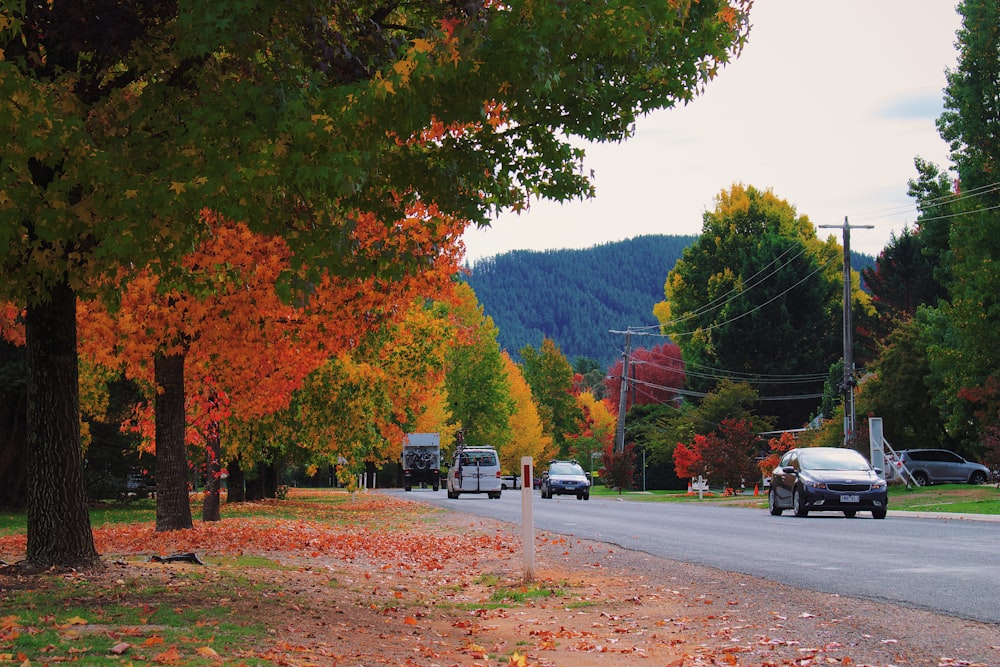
(529,437)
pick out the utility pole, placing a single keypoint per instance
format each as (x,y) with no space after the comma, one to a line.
(620,429)
(850,422)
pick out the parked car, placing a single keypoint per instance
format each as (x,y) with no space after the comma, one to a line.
(510,482)
(566,478)
(827,479)
(936,466)
(475,470)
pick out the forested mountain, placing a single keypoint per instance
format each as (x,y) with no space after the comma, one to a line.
(575,297)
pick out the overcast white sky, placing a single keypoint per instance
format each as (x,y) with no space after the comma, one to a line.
(827,106)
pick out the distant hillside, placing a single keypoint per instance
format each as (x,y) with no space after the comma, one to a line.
(575,297)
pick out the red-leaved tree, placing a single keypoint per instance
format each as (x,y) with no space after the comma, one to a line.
(654,376)
(618,468)
(725,457)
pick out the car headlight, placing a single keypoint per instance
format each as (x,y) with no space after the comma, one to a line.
(879,484)
(816,485)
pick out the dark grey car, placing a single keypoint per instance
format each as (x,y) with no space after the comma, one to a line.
(937,466)
(827,479)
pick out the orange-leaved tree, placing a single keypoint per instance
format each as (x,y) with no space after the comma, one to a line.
(236,343)
(596,430)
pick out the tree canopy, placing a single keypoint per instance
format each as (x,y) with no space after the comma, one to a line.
(758,297)
(122,120)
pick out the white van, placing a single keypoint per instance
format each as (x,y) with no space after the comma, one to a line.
(474,470)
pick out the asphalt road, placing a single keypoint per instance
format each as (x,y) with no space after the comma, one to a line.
(949,565)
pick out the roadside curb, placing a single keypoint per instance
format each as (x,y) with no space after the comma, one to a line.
(995,518)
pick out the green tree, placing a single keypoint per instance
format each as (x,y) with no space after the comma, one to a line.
(550,376)
(964,350)
(896,389)
(971,116)
(479,394)
(122,119)
(759,296)
(903,278)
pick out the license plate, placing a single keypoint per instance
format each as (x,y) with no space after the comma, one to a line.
(853,498)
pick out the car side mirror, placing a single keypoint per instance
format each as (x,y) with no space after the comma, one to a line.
(789,470)
(878,471)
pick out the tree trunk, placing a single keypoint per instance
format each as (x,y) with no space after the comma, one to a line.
(268,473)
(173,505)
(59,532)
(13,427)
(210,508)
(236,483)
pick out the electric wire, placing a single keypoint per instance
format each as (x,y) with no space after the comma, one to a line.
(716,325)
(876,214)
(748,285)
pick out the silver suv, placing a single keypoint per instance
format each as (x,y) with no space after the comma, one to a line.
(937,466)
(566,478)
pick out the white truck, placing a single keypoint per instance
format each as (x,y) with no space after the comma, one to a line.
(421,460)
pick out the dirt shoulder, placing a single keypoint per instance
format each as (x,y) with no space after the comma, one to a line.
(647,610)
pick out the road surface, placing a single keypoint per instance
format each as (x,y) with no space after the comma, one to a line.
(950,566)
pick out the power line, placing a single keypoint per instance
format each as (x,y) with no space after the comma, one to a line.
(716,325)
(740,290)
(876,214)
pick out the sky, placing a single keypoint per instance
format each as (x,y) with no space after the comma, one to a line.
(827,106)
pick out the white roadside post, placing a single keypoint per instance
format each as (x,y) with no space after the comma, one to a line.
(527,519)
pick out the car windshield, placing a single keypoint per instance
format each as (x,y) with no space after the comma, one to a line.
(823,458)
(565,469)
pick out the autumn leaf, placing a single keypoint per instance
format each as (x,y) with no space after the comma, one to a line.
(171,655)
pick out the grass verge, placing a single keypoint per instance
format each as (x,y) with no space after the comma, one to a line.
(948,498)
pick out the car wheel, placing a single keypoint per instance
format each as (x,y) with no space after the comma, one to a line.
(920,478)
(406,488)
(878,513)
(436,487)
(798,504)
(850,514)
(978,477)
(586,496)
(579,496)
(772,504)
